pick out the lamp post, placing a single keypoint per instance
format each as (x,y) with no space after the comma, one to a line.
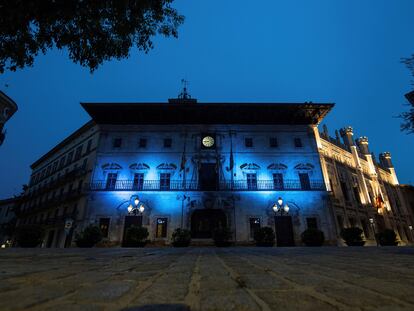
(135,207)
(411,231)
(371,222)
(278,207)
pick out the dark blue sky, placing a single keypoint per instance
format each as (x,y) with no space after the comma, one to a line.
(341,51)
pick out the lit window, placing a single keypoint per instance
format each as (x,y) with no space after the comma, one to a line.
(161,228)
(248,142)
(117,143)
(167,142)
(273,143)
(298,143)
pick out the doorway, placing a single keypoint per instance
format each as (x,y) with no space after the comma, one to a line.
(284,231)
(129,222)
(208,177)
(205,221)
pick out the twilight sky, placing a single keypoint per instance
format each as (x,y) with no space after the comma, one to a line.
(343,51)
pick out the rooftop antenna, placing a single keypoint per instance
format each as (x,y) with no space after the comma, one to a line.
(184,96)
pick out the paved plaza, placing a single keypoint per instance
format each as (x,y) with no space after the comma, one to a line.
(235,278)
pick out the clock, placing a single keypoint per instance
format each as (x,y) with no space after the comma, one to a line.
(208,141)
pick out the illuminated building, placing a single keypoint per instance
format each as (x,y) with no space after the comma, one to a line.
(202,166)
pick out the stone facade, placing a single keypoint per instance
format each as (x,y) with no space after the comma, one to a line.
(7,219)
(203,166)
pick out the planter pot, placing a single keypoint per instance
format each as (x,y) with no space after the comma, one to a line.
(355,243)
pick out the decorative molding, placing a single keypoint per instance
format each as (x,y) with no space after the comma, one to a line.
(277,167)
(139,166)
(167,166)
(111,166)
(249,166)
(304,167)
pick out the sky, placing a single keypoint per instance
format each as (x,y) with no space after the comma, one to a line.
(345,52)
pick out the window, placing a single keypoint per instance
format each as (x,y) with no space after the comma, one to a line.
(344,189)
(85,162)
(138,181)
(48,170)
(70,157)
(117,143)
(365,228)
(161,228)
(298,143)
(62,162)
(248,142)
(304,181)
(356,194)
(104,226)
(273,143)
(78,153)
(89,145)
(254,226)
(165,181)
(111,181)
(142,143)
(55,166)
(311,223)
(167,142)
(251,181)
(278,181)
(340,220)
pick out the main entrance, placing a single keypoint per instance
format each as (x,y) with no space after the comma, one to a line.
(208,177)
(129,222)
(284,231)
(205,221)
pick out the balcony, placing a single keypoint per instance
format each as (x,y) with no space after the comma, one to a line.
(179,185)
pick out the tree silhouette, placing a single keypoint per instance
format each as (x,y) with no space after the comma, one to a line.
(408,116)
(91,31)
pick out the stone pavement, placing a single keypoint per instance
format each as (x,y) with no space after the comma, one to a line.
(235,278)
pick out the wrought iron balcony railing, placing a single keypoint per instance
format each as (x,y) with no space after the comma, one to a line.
(179,185)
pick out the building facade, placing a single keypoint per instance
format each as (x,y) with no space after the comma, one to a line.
(7,108)
(7,220)
(203,166)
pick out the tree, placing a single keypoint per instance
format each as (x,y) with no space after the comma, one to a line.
(91,31)
(408,116)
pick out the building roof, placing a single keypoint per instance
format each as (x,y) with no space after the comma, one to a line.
(207,113)
(64,142)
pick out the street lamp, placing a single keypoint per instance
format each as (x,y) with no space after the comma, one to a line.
(411,231)
(278,207)
(371,221)
(136,207)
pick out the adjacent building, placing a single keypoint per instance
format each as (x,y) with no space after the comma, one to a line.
(202,166)
(7,220)
(7,108)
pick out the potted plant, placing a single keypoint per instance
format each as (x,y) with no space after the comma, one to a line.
(264,236)
(352,236)
(387,238)
(181,237)
(29,235)
(89,237)
(222,237)
(136,236)
(313,237)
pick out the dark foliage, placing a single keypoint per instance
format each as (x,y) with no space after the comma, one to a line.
(89,237)
(408,116)
(352,236)
(29,235)
(387,238)
(181,237)
(222,237)
(136,236)
(264,236)
(313,237)
(91,31)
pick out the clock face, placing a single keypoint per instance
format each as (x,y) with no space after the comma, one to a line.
(208,141)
